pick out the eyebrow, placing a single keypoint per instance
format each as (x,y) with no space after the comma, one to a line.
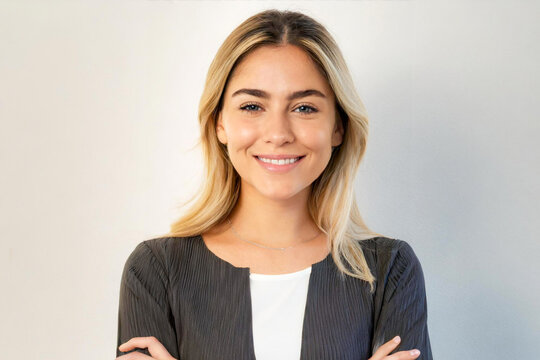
(293,96)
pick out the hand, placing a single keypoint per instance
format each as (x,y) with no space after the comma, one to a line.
(155,348)
(386,348)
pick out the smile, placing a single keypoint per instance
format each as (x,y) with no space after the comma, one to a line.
(279,161)
(279,165)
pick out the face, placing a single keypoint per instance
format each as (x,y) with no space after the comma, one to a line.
(277,104)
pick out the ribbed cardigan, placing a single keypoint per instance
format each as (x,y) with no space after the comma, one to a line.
(199,305)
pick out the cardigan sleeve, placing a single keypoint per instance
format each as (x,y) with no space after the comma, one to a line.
(402,308)
(143,307)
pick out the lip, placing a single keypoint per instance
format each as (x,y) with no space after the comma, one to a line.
(283,156)
(275,168)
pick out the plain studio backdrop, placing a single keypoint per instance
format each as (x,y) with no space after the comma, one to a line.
(98,109)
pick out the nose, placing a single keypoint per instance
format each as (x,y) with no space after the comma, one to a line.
(277,129)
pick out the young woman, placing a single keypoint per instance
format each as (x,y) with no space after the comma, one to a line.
(273,261)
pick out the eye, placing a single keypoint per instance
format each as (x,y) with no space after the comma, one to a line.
(306,109)
(250,107)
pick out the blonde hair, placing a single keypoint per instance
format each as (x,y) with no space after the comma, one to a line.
(332,204)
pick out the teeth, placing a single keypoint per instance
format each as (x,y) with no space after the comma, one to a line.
(280,161)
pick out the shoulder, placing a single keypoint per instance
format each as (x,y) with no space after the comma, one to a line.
(386,247)
(155,255)
(391,257)
(159,247)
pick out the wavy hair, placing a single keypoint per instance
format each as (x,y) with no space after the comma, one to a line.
(332,204)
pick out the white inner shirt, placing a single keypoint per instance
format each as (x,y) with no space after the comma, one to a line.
(278,304)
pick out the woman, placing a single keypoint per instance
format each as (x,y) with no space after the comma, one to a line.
(274,261)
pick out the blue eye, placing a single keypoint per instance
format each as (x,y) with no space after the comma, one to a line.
(311,109)
(250,107)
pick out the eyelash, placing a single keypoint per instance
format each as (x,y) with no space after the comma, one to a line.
(312,110)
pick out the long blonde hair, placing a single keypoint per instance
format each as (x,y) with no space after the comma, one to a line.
(331,203)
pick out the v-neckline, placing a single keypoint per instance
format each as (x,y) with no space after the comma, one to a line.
(246,271)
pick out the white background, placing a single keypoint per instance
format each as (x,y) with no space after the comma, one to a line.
(98,107)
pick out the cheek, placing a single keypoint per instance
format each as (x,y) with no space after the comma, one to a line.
(241,135)
(316,138)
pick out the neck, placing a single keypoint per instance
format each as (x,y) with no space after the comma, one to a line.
(273,222)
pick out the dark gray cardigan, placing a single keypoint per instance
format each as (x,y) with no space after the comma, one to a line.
(199,305)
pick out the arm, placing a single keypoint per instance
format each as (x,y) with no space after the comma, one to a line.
(401,307)
(144,308)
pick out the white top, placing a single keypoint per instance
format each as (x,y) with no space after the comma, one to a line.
(278,304)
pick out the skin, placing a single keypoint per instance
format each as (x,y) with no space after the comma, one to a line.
(275,124)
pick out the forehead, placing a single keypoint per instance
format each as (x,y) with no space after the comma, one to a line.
(278,69)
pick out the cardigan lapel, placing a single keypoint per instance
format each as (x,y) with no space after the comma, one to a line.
(338,315)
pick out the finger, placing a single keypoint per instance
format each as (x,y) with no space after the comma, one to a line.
(155,348)
(404,355)
(386,349)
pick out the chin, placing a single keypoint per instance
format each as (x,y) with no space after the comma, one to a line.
(280,194)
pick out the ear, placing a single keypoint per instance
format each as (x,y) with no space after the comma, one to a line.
(337,134)
(220,130)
